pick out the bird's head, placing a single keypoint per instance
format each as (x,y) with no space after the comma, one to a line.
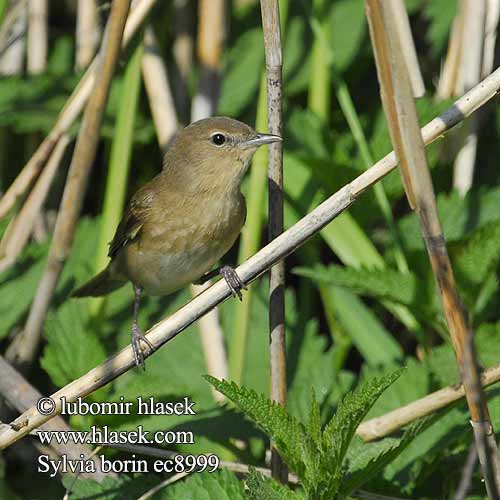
(214,151)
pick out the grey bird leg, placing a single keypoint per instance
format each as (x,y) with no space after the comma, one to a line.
(230,276)
(137,334)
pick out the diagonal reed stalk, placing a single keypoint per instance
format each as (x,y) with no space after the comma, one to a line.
(277,339)
(24,348)
(283,245)
(402,120)
(382,426)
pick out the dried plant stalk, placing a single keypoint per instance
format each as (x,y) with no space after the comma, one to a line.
(402,120)
(277,348)
(252,268)
(18,233)
(20,394)
(23,350)
(155,77)
(38,36)
(211,33)
(68,115)
(13,40)
(88,33)
(471,65)
(380,427)
(409,51)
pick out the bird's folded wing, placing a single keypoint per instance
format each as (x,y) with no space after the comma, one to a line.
(132,221)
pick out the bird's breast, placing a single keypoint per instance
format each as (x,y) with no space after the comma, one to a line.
(184,244)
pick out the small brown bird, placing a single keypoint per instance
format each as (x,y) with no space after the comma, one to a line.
(178,225)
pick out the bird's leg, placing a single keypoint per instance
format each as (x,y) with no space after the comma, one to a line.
(137,334)
(233,281)
(230,276)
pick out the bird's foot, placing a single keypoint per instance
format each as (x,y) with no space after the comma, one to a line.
(233,281)
(137,337)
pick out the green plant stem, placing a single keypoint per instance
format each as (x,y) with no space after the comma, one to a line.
(119,165)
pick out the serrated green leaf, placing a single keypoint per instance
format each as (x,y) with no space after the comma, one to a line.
(380,283)
(288,434)
(220,485)
(264,488)
(70,338)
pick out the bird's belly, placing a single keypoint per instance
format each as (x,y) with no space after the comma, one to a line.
(166,268)
(167,272)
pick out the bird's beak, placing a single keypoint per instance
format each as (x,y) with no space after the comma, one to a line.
(261,139)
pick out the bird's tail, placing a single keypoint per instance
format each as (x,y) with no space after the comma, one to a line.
(100,284)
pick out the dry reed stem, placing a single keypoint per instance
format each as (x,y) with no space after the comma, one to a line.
(211,33)
(402,120)
(38,36)
(470,72)
(182,49)
(409,51)
(283,245)
(380,427)
(17,235)
(88,33)
(68,115)
(20,394)
(157,86)
(13,45)
(26,343)
(450,71)
(490,36)
(277,339)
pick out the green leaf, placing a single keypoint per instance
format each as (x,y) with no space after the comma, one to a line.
(370,459)
(239,85)
(340,430)
(371,338)
(459,216)
(220,485)
(384,283)
(288,433)
(346,28)
(123,488)
(264,488)
(440,14)
(70,338)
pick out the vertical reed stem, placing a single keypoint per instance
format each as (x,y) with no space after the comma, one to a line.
(272,44)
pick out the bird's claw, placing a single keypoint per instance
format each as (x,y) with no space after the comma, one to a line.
(233,281)
(137,336)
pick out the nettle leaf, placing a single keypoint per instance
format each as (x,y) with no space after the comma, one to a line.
(265,488)
(287,432)
(220,485)
(459,216)
(366,460)
(70,338)
(239,85)
(123,488)
(380,283)
(352,410)
(476,256)
(18,287)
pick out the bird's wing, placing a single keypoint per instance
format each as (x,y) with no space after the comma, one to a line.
(132,221)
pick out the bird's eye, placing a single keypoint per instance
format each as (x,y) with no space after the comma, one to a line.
(218,139)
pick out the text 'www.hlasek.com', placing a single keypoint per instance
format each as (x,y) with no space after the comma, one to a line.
(139,442)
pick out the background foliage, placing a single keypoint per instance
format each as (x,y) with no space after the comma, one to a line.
(361,299)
